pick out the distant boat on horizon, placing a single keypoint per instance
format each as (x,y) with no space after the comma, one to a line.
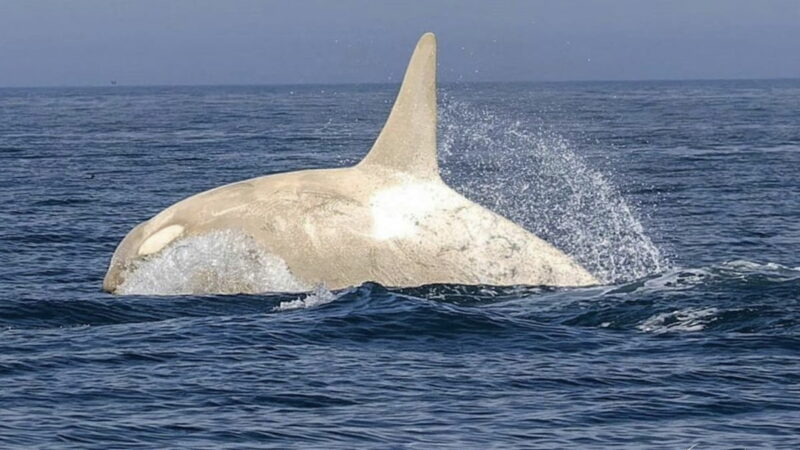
(113,82)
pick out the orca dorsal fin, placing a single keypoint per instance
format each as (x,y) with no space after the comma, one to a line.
(407,142)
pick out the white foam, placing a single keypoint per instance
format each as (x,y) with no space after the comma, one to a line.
(320,296)
(686,320)
(743,266)
(681,279)
(226,262)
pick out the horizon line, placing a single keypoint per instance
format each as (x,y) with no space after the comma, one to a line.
(388,83)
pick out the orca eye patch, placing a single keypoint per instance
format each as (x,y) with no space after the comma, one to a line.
(160,239)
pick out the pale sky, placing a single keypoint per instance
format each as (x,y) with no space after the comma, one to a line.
(144,42)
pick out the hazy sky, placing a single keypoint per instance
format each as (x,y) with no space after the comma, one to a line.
(84,42)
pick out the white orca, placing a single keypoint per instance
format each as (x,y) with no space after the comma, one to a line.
(388,219)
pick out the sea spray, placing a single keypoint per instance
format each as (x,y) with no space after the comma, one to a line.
(534,177)
(226,262)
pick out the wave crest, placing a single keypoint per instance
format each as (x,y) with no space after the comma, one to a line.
(688,319)
(320,296)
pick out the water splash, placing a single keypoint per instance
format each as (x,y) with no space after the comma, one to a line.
(226,262)
(535,178)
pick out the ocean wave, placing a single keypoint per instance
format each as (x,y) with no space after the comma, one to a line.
(320,296)
(739,295)
(681,320)
(686,278)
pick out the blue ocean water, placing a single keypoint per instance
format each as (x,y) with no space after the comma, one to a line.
(683,197)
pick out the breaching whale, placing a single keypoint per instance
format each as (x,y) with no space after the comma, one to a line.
(388,219)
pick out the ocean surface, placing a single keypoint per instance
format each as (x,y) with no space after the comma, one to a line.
(683,197)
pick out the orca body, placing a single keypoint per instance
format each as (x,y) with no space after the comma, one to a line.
(389,219)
